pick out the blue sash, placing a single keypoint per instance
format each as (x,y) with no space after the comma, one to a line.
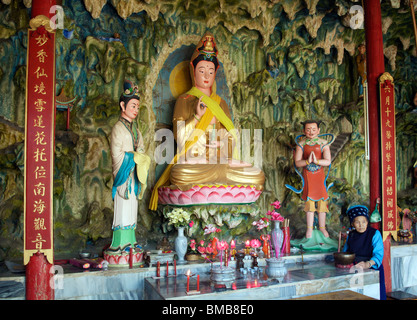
(311,165)
(123,174)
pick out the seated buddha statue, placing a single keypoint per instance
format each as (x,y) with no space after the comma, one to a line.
(206,168)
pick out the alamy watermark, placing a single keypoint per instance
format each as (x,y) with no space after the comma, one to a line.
(357,17)
(57,21)
(206,151)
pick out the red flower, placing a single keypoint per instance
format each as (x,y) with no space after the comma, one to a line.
(276,204)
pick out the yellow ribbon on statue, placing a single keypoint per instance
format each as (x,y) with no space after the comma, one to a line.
(213,109)
(143,162)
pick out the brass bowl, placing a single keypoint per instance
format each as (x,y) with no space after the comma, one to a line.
(343,258)
(193,257)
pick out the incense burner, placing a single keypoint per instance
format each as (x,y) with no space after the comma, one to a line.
(223,275)
(275,268)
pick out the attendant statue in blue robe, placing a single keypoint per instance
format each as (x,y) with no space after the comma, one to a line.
(130,171)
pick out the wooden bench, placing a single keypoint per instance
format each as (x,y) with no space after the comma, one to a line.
(337,295)
(400,295)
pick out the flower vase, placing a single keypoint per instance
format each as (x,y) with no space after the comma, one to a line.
(277,237)
(181,246)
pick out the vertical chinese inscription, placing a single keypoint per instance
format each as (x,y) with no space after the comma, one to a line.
(39,142)
(388,156)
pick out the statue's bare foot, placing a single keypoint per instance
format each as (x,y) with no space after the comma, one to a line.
(324,231)
(309,232)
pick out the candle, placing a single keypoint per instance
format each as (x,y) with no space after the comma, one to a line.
(131,258)
(167,269)
(247,245)
(232,244)
(226,258)
(158,269)
(175,267)
(79,263)
(198,282)
(188,274)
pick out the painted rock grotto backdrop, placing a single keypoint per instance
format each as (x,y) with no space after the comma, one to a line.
(283,61)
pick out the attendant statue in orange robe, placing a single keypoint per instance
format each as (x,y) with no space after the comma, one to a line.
(313,154)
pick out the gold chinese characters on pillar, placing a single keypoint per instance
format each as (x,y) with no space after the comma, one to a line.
(39,143)
(388,156)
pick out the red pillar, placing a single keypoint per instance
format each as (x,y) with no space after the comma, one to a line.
(375,67)
(39,278)
(39,146)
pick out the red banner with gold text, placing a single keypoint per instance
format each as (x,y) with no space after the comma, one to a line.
(388,156)
(39,144)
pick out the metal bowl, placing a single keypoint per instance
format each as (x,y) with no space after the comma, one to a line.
(343,258)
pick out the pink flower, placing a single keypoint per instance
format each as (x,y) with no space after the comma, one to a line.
(191,224)
(209,249)
(192,244)
(275,216)
(276,204)
(255,243)
(210,228)
(201,249)
(222,245)
(202,243)
(261,223)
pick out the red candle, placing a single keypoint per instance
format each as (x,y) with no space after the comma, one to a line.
(188,274)
(167,269)
(158,269)
(198,282)
(175,267)
(131,258)
(247,244)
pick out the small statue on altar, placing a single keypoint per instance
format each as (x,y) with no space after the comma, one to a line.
(164,245)
(313,154)
(361,65)
(205,134)
(130,172)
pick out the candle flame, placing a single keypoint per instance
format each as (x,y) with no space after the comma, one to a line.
(188,272)
(232,244)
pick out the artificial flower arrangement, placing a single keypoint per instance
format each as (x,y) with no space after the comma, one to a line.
(275,216)
(204,250)
(264,224)
(179,218)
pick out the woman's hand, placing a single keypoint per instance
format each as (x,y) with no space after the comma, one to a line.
(200,108)
(364,265)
